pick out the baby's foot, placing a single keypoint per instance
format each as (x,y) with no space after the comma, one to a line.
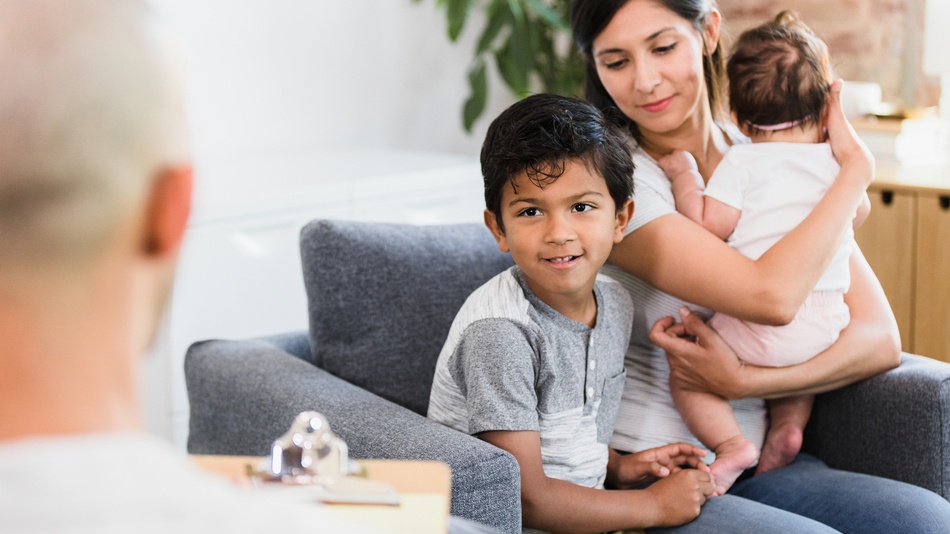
(782,445)
(733,456)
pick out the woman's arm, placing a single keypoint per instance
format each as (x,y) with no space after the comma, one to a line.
(863,211)
(869,345)
(556,505)
(679,257)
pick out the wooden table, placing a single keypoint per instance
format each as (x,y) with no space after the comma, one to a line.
(424,490)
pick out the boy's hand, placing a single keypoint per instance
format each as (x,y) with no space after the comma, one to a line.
(679,497)
(677,162)
(632,470)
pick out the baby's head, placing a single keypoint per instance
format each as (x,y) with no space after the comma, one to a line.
(780,76)
(537,137)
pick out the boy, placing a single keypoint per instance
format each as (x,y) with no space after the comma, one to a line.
(533,362)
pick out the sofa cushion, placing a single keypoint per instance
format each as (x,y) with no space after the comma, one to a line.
(382,297)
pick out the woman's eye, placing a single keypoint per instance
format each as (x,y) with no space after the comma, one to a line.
(579,208)
(613,65)
(664,49)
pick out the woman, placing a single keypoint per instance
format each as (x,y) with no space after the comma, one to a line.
(657,66)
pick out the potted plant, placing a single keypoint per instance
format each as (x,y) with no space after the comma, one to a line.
(528,40)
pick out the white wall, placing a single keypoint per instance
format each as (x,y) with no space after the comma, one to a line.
(272,86)
(270,76)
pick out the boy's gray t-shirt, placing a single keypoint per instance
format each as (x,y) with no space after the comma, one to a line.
(511,362)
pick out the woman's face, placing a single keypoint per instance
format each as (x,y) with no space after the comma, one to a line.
(650,61)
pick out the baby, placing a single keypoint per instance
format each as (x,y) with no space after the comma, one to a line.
(779,80)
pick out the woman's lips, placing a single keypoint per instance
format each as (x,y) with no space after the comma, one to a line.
(657,106)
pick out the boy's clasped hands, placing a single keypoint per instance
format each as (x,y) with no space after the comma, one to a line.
(678,479)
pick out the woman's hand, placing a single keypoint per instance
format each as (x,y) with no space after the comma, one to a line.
(847,147)
(699,359)
(639,468)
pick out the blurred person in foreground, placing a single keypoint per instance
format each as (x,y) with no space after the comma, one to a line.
(95,193)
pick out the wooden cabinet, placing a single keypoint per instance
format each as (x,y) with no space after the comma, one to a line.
(932,302)
(906,240)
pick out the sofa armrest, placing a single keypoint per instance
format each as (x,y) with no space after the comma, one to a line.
(244,394)
(293,343)
(895,425)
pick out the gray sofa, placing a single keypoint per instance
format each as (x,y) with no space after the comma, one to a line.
(381,300)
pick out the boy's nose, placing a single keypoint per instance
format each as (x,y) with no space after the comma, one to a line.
(559,231)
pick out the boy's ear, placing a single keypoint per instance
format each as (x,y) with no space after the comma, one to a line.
(624,214)
(492,223)
(167,209)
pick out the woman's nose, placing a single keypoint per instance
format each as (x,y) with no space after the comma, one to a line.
(647,77)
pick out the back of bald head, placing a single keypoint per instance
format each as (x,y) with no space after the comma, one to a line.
(90,114)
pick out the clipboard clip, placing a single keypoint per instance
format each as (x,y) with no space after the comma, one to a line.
(310,462)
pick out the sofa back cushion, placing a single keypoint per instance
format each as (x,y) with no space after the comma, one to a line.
(382,297)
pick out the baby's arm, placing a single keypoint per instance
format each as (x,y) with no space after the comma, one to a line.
(688,187)
(557,505)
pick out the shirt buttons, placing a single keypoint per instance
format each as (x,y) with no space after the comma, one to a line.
(590,392)
(593,365)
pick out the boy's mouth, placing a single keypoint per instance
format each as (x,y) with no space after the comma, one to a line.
(562,260)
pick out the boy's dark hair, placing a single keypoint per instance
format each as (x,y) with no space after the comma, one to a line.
(537,135)
(779,73)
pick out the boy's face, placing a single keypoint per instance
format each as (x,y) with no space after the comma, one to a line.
(560,235)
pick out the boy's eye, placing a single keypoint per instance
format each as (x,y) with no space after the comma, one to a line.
(581,207)
(530,212)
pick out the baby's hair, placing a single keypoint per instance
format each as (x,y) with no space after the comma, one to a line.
(538,135)
(779,75)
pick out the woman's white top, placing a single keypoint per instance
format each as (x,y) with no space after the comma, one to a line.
(647,417)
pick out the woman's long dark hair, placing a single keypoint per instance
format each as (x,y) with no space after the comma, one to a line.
(590,17)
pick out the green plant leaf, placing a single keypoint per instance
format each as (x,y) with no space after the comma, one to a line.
(515,59)
(498,16)
(548,14)
(545,59)
(515,76)
(515,6)
(527,39)
(457,12)
(475,104)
